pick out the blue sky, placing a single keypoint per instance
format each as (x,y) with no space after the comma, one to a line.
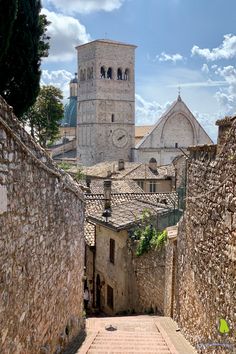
(186,43)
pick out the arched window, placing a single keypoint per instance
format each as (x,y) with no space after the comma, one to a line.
(103,73)
(119,74)
(81,75)
(91,73)
(126,76)
(88,74)
(109,73)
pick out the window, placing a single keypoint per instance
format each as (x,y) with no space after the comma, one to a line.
(109,73)
(126,76)
(141,184)
(113,118)
(112,251)
(152,186)
(176,145)
(119,74)
(81,75)
(103,73)
(110,300)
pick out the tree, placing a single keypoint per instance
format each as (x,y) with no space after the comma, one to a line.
(25,43)
(44,116)
(9,11)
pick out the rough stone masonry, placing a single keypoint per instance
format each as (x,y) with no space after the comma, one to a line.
(206,266)
(41,246)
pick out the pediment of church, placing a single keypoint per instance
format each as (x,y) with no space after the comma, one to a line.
(177,127)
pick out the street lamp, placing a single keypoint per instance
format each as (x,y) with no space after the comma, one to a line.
(107,199)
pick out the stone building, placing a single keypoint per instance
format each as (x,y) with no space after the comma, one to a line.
(119,282)
(149,177)
(105,101)
(41,246)
(176,128)
(116,278)
(205,294)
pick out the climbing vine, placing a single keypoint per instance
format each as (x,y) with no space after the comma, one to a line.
(147,236)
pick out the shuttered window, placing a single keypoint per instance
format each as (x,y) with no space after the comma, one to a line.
(112,251)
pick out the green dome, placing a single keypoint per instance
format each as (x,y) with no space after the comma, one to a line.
(70,113)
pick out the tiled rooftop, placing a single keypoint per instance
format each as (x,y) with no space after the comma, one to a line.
(132,170)
(126,214)
(124,201)
(126,186)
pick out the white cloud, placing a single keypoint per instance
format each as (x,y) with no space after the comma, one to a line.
(66,32)
(58,78)
(208,83)
(205,68)
(207,121)
(170,57)
(147,113)
(227,97)
(84,6)
(227,50)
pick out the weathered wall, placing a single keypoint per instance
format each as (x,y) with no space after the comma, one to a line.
(41,246)
(138,282)
(149,270)
(106,112)
(115,275)
(206,287)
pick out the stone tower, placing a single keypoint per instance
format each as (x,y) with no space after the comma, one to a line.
(105,114)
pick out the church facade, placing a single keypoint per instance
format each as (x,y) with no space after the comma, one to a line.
(176,130)
(105,112)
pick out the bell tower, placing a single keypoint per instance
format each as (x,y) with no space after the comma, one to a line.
(105,112)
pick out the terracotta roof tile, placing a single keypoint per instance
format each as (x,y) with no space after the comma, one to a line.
(95,206)
(132,170)
(126,214)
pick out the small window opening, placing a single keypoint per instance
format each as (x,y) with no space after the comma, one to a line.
(112,118)
(141,184)
(126,76)
(152,186)
(176,145)
(81,75)
(119,74)
(103,73)
(88,74)
(112,251)
(84,75)
(109,73)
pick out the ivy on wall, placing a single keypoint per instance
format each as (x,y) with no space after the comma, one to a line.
(147,236)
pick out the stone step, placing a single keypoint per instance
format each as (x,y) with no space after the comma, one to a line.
(152,343)
(112,351)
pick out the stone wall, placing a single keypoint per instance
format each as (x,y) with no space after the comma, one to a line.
(149,272)
(41,246)
(206,269)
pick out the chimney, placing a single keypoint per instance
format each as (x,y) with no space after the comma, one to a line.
(88,183)
(153,164)
(109,174)
(121,165)
(107,194)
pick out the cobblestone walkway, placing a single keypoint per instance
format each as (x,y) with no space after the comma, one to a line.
(134,334)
